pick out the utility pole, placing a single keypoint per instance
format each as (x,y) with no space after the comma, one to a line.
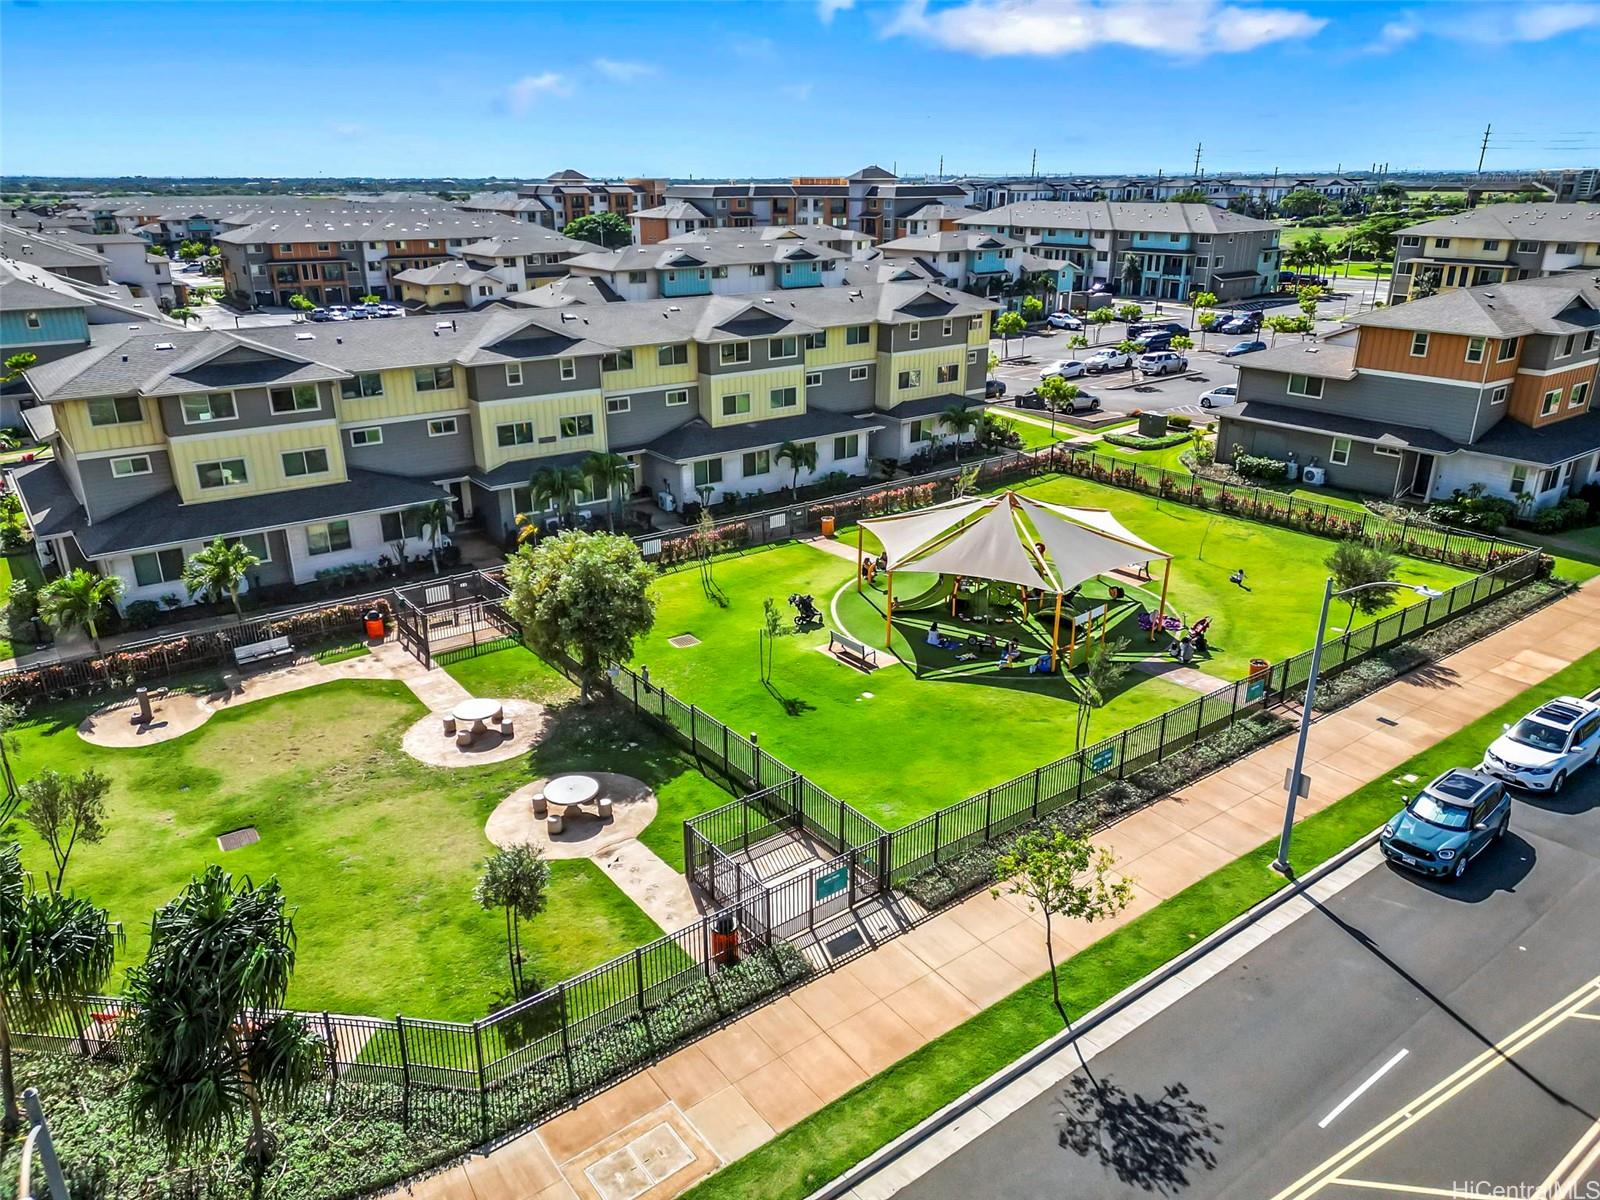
(1198,146)
(941,168)
(1033,169)
(1484,149)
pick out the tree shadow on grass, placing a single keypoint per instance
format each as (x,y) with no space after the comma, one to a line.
(792,706)
(1152,1144)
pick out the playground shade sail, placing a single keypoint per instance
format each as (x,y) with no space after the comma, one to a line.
(1011,538)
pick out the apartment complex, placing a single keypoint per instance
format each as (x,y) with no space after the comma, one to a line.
(1219,190)
(1178,248)
(312,443)
(1491,385)
(968,258)
(95,258)
(1495,244)
(723,262)
(568,195)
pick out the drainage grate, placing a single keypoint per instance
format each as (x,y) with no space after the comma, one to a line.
(239,838)
(683,641)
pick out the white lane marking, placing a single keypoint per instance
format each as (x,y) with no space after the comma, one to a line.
(1360,1091)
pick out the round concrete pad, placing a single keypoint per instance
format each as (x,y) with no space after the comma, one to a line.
(426,741)
(175,714)
(633,806)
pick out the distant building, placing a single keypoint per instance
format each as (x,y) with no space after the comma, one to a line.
(1494,244)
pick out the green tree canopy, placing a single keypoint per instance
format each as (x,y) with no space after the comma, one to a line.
(65,810)
(80,599)
(1303,202)
(1188,196)
(607,229)
(514,878)
(218,570)
(1354,564)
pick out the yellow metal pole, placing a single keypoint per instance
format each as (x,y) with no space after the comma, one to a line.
(860,559)
(1055,635)
(1161,609)
(955,593)
(888,613)
(1072,633)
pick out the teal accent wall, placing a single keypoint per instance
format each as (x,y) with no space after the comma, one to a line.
(1161,241)
(797,275)
(55,325)
(688,282)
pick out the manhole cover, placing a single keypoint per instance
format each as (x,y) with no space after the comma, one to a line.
(238,838)
(683,641)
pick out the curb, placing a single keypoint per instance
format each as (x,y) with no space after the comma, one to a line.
(959,1107)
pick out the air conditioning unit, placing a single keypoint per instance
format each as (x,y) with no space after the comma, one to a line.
(1314,476)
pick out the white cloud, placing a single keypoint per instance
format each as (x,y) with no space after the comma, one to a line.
(623,72)
(827,8)
(527,91)
(1402,31)
(797,91)
(1489,24)
(1192,28)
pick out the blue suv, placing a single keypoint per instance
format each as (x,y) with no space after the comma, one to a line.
(1449,823)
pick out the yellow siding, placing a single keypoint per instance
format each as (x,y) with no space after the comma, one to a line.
(648,373)
(262,451)
(72,418)
(837,352)
(980,335)
(760,385)
(401,399)
(1472,248)
(1591,255)
(889,392)
(545,413)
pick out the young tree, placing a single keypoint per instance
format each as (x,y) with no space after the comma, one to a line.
(586,597)
(300,304)
(994,361)
(609,229)
(515,879)
(55,952)
(1100,318)
(1077,342)
(209,1037)
(959,420)
(1061,875)
(80,599)
(433,518)
(1423,284)
(184,315)
(1103,669)
(767,637)
(1057,393)
(65,810)
(1032,308)
(1129,312)
(1132,274)
(801,456)
(554,488)
(1355,563)
(1307,298)
(1006,324)
(1197,302)
(218,570)
(369,298)
(1182,341)
(16,364)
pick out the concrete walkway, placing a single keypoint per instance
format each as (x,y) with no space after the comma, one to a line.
(723,1096)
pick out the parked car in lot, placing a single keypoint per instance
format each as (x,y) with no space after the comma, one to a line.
(391,310)
(1107,360)
(994,389)
(1163,362)
(1238,326)
(359,313)
(1153,341)
(1239,348)
(1449,823)
(320,314)
(1063,320)
(1220,397)
(1171,328)
(1082,402)
(1067,368)
(1541,751)
(338,312)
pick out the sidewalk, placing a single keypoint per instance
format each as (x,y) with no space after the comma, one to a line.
(662,1130)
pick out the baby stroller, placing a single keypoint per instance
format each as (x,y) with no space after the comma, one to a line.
(805,611)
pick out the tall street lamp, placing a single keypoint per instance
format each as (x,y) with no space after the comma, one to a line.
(1292,784)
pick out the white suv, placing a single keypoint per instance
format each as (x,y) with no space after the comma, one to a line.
(1163,362)
(1543,749)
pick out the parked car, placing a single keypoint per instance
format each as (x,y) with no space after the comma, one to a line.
(338,312)
(1543,750)
(1220,397)
(1172,328)
(1239,348)
(1067,368)
(1083,402)
(1163,362)
(994,389)
(1107,360)
(1238,325)
(320,314)
(1153,341)
(391,310)
(359,313)
(1063,320)
(1030,400)
(1449,823)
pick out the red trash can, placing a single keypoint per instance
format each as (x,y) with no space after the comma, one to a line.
(373,619)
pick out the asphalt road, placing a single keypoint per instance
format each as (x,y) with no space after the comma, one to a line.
(1405,1039)
(1171,393)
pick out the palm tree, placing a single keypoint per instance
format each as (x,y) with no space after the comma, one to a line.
(959,420)
(514,878)
(55,951)
(1132,274)
(433,518)
(218,570)
(81,599)
(554,487)
(611,473)
(208,1035)
(801,456)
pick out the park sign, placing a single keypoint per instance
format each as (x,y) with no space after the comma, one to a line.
(831,883)
(1103,758)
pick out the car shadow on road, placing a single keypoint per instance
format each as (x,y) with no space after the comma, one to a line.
(1571,802)
(1149,1143)
(1500,868)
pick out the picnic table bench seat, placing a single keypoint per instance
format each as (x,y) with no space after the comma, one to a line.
(267,651)
(852,651)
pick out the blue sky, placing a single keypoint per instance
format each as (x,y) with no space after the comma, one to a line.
(790,86)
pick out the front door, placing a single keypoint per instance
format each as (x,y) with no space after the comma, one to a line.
(460,499)
(1416,474)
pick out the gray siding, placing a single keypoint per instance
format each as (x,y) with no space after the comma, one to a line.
(837,393)
(104,494)
(254,407)
(648,417)
(407,449)
(278,571)
(1366,471)
(977,373)
(930,334)
(540,377)
(711,357)
(1544,353)
(499,521)
(1419,403)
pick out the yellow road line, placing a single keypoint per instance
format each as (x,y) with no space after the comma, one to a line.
(1586,1016)
(1404,1189)
(1554,1184)
(1440,1093)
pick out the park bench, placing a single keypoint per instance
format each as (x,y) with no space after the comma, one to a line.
(852,651)
(257,652)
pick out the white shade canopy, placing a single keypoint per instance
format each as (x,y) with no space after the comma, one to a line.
(1011,538)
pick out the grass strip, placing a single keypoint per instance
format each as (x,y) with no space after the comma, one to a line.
(833,1139)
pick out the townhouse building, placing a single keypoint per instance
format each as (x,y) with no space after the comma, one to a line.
(723,262)
(972,259)
(93,258)
(1495,244)
(314,444)
(1219,190)
(1178,248)
(568,195)
(1491,385)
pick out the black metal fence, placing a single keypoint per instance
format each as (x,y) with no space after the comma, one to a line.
(444,620)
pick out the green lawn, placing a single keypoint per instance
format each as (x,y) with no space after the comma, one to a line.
(835,1138)
(1035,431)
(1170,459)
(14,567)
(377,853)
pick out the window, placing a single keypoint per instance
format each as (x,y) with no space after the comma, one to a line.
(579,426)
(734,352)
(757,462)
(617,360)
(914,331)
(1578,395)
(135,464)
(227,472)
(1339,454)
(1491,244)
(435,379)
(619,404)
(302,397)
(1588,340)
(404,523)
(33,321)
(442,427)
(1305,385)
(817,340)
(782,347)
(1475,348)
(672,356)
(857,374)
(719,272)
(922,431)
(1519,480)
(361,385)
(911,378)
(214,406)
(514,433)
(783,398)
(638,277)
(950,373)
(1498,395)
(736,404)
(949,329)
(858,335)
(328,538)
(1419,345)
(1551,402)
(707,472)
(568,368)
(305,462)
(514,374)
(257,544)
(1527,247)
(758,268)
(371,435)
(1411,241)
(1508,350)
(813,379)
(1565,248)
(847,446)
(1441,243)
(675,398)
(1547,480)
(163,566)
(1568,346)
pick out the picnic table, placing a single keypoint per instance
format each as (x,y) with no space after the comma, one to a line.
(571,791)
(475,714)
